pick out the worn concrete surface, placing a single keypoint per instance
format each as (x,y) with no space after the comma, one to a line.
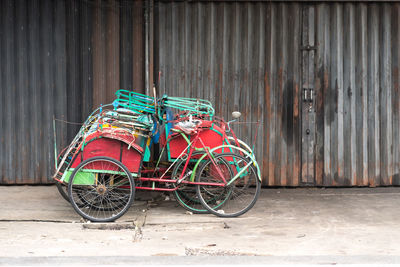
(332,223)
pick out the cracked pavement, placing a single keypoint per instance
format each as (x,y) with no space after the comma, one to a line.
(36,222)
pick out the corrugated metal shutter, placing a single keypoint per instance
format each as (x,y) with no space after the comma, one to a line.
(249,57)
(60,58)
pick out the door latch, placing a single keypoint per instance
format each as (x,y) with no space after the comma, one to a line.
(308,95)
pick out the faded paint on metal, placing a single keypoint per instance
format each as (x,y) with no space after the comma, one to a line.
(59,58)
(246,56)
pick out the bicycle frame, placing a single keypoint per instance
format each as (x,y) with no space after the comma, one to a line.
(182,177)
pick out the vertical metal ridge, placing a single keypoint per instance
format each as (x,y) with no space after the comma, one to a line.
(3,110)
(10,88)
(65,58)
(46,71)
(364,92)
(396,93)
(386,95)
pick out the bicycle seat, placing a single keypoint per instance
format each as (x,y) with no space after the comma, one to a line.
(188,127)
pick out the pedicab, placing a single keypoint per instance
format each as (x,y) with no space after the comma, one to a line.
(201,161)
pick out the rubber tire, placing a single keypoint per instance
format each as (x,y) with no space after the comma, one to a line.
(110,219)
(180,197)
(63,190)
(241,212)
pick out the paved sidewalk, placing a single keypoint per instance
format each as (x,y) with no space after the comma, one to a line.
(285,223)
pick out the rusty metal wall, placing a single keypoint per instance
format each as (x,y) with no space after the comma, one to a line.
(247,56)
(60,58)
(357,81)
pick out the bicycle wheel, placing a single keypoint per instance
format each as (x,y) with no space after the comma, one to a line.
(101,189)
(186,194)
(63,190)
(242,189)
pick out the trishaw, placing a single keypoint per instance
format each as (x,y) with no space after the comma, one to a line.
(201,161)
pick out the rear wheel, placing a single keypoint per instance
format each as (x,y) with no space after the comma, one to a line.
(186,193)
(101,189)
(63,190)
(241,191)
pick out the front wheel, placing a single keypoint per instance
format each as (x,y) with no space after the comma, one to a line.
(242,185)
(101,189)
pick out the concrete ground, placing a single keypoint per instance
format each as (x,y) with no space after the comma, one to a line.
(285,226)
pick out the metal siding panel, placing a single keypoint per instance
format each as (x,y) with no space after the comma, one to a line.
(22,96)
(256,48)
(295,146)
(385,98)
(373,96)
(34,88)
(360,93)
(2,93)
(259,96)
(126,51)
(340,93)
(320,88)
(270,95)
(284,92)
(138,46)
(238,55)
(60,81)
(112,50)
(85,58)
(396,92)
(10,93)
(99,60)
(364,84)
(46,54)
(328,103)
